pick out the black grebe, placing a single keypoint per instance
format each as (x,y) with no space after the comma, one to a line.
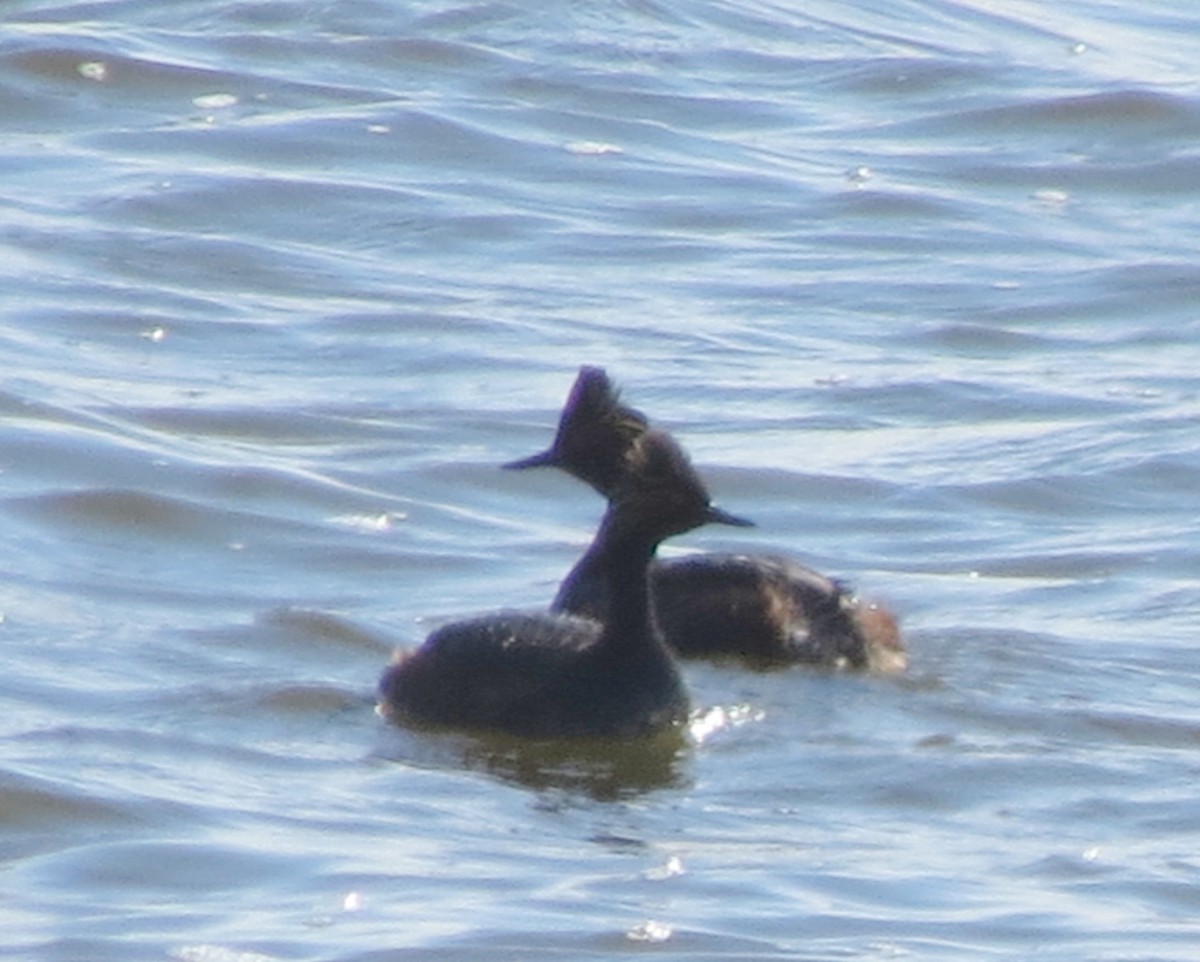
(763,608)
(556,675)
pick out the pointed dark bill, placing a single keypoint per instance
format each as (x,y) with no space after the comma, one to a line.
(543,459)
(718,516)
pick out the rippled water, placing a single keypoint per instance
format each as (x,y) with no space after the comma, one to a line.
(915,282)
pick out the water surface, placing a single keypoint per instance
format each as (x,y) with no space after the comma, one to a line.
(284,283)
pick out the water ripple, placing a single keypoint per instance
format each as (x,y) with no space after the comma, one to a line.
(285,283)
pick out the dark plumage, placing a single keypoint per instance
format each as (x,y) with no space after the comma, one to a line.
(762,608)
(556,675)
(598,438)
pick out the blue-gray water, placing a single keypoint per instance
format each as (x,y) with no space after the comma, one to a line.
(917,283)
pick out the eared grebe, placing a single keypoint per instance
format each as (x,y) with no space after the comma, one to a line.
(554,675)
(763,608)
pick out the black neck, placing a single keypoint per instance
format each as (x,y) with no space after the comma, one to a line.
(584,591)
(628,624)
(611,583)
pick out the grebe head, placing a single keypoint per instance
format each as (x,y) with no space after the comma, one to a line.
(660,492)
(596,436)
